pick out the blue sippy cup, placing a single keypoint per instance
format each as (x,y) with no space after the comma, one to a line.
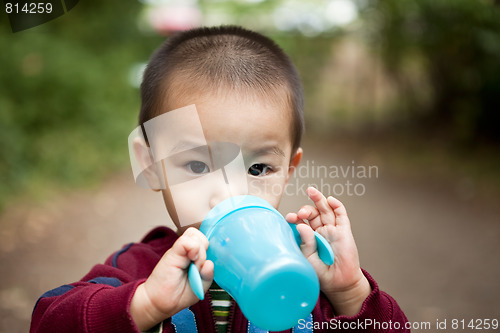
(257,261)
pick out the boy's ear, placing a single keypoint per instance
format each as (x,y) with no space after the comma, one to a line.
(151,175)
(294,162)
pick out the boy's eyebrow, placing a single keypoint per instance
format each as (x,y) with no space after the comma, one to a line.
(185,145)
(270,150)
(188,145)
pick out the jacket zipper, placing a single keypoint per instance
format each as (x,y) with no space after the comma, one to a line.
(231,315)
(212,311)
(229,318)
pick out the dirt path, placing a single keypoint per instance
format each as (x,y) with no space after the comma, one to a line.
(434,250)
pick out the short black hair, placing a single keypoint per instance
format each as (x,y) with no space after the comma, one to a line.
(227,57)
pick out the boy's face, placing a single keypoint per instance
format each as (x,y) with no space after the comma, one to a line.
(260,130)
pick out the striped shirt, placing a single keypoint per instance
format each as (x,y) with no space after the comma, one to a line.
(221,304)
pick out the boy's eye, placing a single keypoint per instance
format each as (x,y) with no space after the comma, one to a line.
(259,169)
(197,167)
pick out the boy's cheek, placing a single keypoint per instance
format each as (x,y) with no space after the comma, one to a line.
(187,205)
(169,205)
(270,189)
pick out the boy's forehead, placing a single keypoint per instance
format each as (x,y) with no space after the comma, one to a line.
(250,126)
(174,131)
(245,119)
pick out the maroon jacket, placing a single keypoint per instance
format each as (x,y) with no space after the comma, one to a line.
(100,302)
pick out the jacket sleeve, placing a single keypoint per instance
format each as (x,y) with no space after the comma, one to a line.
(95,306)
(379,313)
(100,302)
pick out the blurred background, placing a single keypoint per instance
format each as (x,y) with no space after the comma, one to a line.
(411,87)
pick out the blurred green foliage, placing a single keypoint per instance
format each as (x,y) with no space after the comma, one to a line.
(66,105)
(309,55)
(457,43)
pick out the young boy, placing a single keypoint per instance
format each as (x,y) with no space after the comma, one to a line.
(246,92)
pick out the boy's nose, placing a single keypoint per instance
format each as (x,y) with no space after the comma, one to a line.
(228,190)
(214,200)
(220,194)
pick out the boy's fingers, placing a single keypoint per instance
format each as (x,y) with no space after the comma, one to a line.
(327,216)
(308,212)
(188,248)
(207,274)
(191,249)
(308,246)
(200,258)
(200,248)
(198,235)
(200,241)
(292,218)
(312,215)
(319,200)
(337,206)
(339,210)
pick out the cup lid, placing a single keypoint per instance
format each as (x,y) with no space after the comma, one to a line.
(229,206)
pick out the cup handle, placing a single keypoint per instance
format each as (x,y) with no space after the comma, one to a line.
(195,281)
(325,251)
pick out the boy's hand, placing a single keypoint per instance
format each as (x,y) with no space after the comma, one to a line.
(343,282)
(167,289)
